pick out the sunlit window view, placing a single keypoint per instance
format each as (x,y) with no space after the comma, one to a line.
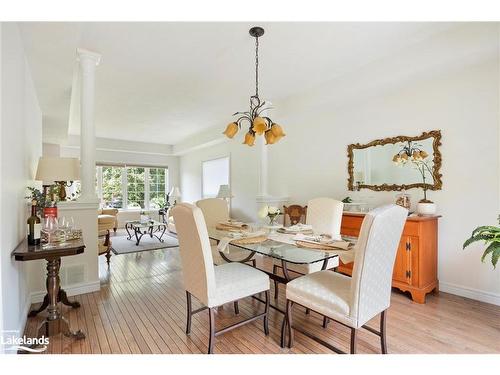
(132,187)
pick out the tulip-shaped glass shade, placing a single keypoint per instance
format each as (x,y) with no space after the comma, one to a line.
(231,130)
(249,139)
(259,125)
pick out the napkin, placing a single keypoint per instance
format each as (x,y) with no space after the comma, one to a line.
(222,245)
(231,225)
(334,244)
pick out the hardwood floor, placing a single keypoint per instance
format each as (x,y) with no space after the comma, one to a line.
(141,309)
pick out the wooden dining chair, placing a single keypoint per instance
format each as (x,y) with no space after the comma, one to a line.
(211,285)
(354,301)
(295,214)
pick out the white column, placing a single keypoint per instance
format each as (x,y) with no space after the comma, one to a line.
(88,61)
(263,170)
(263,162)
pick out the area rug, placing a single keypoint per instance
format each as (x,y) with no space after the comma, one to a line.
(121,245)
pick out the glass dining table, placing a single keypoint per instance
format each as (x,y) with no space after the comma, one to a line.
(285,252)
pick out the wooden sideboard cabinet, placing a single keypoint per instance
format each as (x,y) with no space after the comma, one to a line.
(415,267)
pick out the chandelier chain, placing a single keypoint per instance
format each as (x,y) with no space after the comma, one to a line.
(257,67)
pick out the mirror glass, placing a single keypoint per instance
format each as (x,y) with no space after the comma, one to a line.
(396,163)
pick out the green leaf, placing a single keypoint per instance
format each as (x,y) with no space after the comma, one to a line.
(478,237)
(485,228)
(493,246)
(495,256)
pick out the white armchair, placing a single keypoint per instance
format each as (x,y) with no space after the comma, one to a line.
(216,210)
(213,285)
(353,301)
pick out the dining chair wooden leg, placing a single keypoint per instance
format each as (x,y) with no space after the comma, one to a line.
(353,340)
(325,322)
(211,339)
(266,311)
(236,308)
(383,328)
(276,290)
(188,312)
(289,322)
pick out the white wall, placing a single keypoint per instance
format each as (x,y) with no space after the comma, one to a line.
(21,145)
(128,152)
(461,98)
(243,177)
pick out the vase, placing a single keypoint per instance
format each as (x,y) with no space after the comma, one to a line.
(426,208)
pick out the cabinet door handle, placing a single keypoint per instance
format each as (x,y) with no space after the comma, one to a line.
(408,245)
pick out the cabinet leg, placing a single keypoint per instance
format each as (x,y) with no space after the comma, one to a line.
(417,296)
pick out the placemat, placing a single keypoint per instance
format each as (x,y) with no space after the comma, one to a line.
(249,240)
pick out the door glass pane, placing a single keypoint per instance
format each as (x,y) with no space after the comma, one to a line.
(157,189)
(112,187)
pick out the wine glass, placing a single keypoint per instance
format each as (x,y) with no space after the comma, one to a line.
(49,227)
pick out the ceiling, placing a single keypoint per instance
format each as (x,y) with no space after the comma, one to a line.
(163,82)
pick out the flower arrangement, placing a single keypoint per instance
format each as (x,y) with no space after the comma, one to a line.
(270,212)
(414,154)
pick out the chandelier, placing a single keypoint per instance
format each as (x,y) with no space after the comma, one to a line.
(257,122)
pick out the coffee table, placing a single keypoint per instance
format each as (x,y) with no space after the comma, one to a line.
(140,228)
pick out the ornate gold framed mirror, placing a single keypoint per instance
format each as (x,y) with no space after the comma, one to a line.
(397,163)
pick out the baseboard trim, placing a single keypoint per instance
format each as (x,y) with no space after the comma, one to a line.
(479,295)
(71,290)
(24,315)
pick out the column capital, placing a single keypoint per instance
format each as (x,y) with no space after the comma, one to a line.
(83,54)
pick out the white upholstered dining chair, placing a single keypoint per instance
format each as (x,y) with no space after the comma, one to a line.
(216,210)
(353,301)
(213,285)
(325,217)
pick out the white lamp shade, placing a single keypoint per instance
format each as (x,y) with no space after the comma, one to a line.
(52,169)
(175,192)
(224,192)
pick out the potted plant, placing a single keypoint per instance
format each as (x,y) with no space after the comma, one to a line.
(491,236)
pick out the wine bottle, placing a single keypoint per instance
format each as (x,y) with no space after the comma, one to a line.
(34,226)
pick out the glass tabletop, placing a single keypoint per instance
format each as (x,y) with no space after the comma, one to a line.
(145,224)
(278,250)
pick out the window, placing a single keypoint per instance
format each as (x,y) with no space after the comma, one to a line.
(132,187)
(135,188)
(214,173)
(157,189)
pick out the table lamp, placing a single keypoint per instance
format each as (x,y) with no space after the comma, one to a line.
(224,192)
(58,170)
(175,193)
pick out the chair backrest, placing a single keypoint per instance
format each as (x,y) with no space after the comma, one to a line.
(214,210)
(195,251)
(325,216)
(374,261)
(295,213)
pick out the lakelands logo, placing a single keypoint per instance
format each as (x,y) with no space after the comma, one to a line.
(12,342)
